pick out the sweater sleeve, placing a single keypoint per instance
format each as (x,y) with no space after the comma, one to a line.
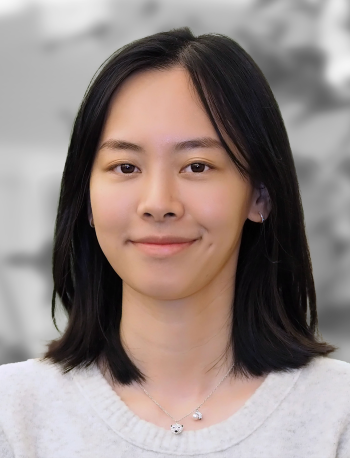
(343,450)
(5,449)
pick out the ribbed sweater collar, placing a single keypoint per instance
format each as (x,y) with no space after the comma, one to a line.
(112,409)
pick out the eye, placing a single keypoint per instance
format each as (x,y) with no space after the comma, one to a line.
(196,167)
(128,168)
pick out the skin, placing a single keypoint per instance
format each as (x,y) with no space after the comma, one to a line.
(175,309)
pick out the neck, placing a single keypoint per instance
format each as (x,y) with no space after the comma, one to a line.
(182,346)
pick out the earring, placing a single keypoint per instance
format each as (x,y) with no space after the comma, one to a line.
(262,218)
(91,222)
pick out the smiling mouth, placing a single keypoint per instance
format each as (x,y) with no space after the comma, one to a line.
(158,249)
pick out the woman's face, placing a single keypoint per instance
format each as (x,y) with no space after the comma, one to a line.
(157,192)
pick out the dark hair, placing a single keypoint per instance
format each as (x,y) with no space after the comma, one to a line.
(274,285)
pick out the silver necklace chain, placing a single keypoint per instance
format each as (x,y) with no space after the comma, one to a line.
(176,421)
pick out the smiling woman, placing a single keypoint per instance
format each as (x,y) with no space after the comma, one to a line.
(182,262)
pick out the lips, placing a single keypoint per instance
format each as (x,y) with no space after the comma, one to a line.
(161,250)
(164,240)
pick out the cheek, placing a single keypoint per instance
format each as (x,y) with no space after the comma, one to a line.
(111,213)
(108,206)
(224,206)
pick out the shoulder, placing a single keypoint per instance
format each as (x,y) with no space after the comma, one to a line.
(27,389)
(30,367)
(27,377)
(13,372)
(327,379)
(331,369)
(322,384)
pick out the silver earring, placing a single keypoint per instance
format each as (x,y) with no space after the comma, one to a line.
(90,221)
(262,218)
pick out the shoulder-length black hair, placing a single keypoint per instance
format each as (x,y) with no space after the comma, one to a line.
(274,285)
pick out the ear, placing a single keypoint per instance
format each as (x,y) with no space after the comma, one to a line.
(260,203)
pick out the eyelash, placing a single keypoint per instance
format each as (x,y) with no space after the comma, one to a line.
(192,163)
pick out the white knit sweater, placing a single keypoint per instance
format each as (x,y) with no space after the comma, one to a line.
(303,413)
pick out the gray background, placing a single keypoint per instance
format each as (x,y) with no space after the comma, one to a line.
(49,51)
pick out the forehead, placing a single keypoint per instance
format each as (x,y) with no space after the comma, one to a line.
(158,100)
(157,84)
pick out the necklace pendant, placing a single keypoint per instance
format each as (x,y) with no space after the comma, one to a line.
(176,428)
(197,415)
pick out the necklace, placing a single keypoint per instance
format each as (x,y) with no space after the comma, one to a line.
(177,428)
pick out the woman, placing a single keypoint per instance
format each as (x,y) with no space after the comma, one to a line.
(181,259)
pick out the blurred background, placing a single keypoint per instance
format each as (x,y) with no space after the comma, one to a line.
(49,51)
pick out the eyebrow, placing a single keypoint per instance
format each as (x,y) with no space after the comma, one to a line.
(203,142)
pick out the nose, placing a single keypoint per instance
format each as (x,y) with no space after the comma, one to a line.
(160,197)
